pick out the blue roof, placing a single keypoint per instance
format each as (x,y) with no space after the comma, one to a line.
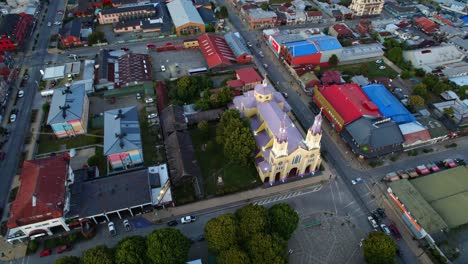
(464,18)
(326,43)
(388,105)
(301,48)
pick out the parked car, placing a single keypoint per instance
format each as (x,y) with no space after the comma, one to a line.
(12,118)
(421,169)
(63,248)
(172,223)
(395,231)
(26,77)
(379,61)
(460,162)
(285,95)
(385,229)
(412,173)
(149,100)
(403,174)
(188,219)
(152,115)
(433,167)
(265,65)
(138,96)
(163,68)
(45,253)
(450,163)
(372,222)
(382,67)
(20,93)
(356,181)
(150,46)
(127,225)
(381,212)
(261,54)
(249,44)
(49,24)
(124,49)
(112,230)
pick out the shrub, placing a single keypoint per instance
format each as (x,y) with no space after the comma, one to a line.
(32,247)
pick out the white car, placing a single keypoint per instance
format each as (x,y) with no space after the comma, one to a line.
(152,115)
(20,93)
(188,219)
(163,68)
(127,225)
(378,61)
(149,100)
(265,66)
(261,54)
(12,118)
(382,67)
(111,227)
(385,229)
(58,23)
(356,181)
(372,222)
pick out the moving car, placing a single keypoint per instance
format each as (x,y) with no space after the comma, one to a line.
(265,66)
(249,44)
(12,118)
(172,223)
(150,46)
(20,93)
(127,225)
(45,253)
(395,231)
(152,115)
(149,100)
(261,54)
(112,230)
(356,181)
(63,248)
(372,222)
(163,68)
(188,219)
(385,229)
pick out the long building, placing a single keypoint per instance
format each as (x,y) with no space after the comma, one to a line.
(114,15)
(186,19)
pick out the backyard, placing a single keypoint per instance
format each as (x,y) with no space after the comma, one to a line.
(152,141)
(48,142)
(369,69)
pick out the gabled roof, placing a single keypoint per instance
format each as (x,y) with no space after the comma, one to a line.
(207,15)
(248,75)
(134,67)
(183,12)
(8,24)
(216,50)
(75,29)
(388,104)
(349,101)
(149,7)
(67,104)
(121,130)
(41,195)
(237,43)
(173,119)
(301,48)
(414,132)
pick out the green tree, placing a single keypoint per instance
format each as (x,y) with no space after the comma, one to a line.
(67,260)
(96,37)
(333,60)
(203,126)
(317,69)
(98,255)
(379,248)
(462,92)
(167,245)
(222,13)
(229,120)
(431,81)
(131,250)
(449,111)
(239,145)
(420,72)
(210,28)
(416,101)
(441,87)
(252,219)
(221,233)
(233,256)
(283,220)
(224,97)
(203,104)
(264,6)
(264,248)
(395,54)
(421,90)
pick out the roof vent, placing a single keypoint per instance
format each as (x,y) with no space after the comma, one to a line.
(64,110)
(119,115)
(67,90)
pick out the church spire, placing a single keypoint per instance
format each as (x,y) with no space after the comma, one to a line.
(282,135)
(316,128)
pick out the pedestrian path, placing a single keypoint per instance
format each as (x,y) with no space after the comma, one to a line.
(288,195)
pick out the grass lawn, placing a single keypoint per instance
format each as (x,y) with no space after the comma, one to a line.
(184,193)
(214,164)
(372,71)
(151,137)
(49,143)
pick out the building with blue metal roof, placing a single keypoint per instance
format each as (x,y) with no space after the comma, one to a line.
(327,46)
(388,105)
(301,52)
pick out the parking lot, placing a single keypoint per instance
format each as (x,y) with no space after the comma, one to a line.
(176,63)
(98,105)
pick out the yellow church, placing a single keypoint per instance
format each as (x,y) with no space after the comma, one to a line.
(282,152)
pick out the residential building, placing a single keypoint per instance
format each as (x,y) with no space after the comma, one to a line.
(426,10)
(367,7)
(134,68)
(426,25)
(205,10)
(238,47)
(460,43)
(258,18)
(343,104)
(18,3)
(430,58)
(246,79)
(145,25)
(186,19)
(14,28)
(314,16)
(455,70)
(216,51)
(416,135)
(105,68)
(460,111)
(114,15)
(364,27)
(401,11)
(331,77)
(42,199)
(75,33)
(282,152)
(340,31)
(68,114)
(122,139)
(439,19)
(86,8)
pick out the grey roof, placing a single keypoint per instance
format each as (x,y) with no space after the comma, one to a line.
(121,130)
(8,24)
(360,79)
(435,127)
(381,138)
(261,14)
(208,115)
(150,7)
(67,104)
(173,119)
(108,194)
(207,15)
(456,69)
(459,42)
(286,38)
(183,12)
(237,43)
(75,29)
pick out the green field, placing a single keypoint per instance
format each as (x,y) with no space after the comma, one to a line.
(369,69)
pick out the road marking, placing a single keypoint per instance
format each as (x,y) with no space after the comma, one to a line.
(282,197)
(339,193)
(333,199)
(351,203)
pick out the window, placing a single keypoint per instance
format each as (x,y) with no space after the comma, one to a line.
(296,159)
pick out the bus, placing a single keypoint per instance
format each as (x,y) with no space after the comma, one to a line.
(197,71)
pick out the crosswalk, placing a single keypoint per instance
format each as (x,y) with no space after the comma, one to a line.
(288,195)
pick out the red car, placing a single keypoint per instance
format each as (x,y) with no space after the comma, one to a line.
(124,49)
(421,169)
(150,46)
(449,163)
(433,167)
(395,231)
(45,253)
(63,249)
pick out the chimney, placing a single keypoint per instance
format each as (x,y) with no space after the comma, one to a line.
(34,200)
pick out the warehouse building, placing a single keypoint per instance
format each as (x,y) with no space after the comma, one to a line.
(186,19)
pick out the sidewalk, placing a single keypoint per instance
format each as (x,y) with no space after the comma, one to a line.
(35,129)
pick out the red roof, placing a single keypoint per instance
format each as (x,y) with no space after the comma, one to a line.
(314,13)
(422,135)
(235,83)
(161,92)
(349,101)
(443,20)
(331,77)
(248,75)
(216,50)
(342,29)
(41,195)
(427,25)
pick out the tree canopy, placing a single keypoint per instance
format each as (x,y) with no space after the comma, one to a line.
(395,54)
(283,220)
(67,260)
(96,37)
(252,219)
(167,245)
(131,250)
(221,233)
(421,90)
(416,101)
(333,60)
(187,88)
(264,248)
(98,255)
(233,256)
(379,248)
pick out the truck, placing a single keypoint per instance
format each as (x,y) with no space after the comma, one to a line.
(412,173)
(403,174)
(391,176)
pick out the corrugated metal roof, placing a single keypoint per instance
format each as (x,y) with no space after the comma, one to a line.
(67,104)
(237,43)
(326,43)
(183,12)
(121,130)
(301,48)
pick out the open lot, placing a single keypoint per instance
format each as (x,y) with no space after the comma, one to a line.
(177,63)
(369,69)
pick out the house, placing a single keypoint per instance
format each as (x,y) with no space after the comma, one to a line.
(282,152)
(186,19)
(314,16)
(86,8)
(205,10)
(401,11)
(238,47)
(41,201)
(14,29)
(258,18)
(340,31)
(145,25)
(122,139)
(461,44)
(105,68)
(134,68)
(367,7)
(460,111)
(415,135)
(114,15)
(364,27)
(68,114)
(442,20)
(433,57)
(71,34)
(246,79)
(426,25)
(183,166)
(216,51)
(455,70)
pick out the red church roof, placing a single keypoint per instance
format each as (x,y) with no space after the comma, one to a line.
(41,195)
(349,101)
(216,50)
